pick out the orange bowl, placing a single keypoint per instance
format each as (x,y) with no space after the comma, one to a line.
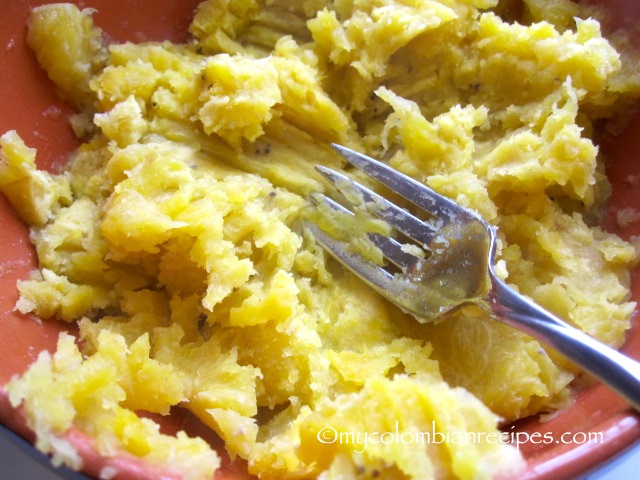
(31,107)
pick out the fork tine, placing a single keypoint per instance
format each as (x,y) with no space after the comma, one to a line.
(341,251)
(391,248)
(401,220)
(399,290)
(319,198)
(412,190)
(394,252)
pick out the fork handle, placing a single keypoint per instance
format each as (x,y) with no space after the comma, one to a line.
(618,371)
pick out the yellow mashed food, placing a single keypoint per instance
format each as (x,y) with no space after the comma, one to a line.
(174,239)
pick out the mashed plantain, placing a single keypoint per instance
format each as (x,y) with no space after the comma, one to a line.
(173,235)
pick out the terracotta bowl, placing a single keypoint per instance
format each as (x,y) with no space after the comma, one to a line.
(29,105)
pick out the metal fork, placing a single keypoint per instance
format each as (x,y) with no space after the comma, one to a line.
(457,267)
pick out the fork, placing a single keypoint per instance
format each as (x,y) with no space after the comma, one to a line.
(453,265)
